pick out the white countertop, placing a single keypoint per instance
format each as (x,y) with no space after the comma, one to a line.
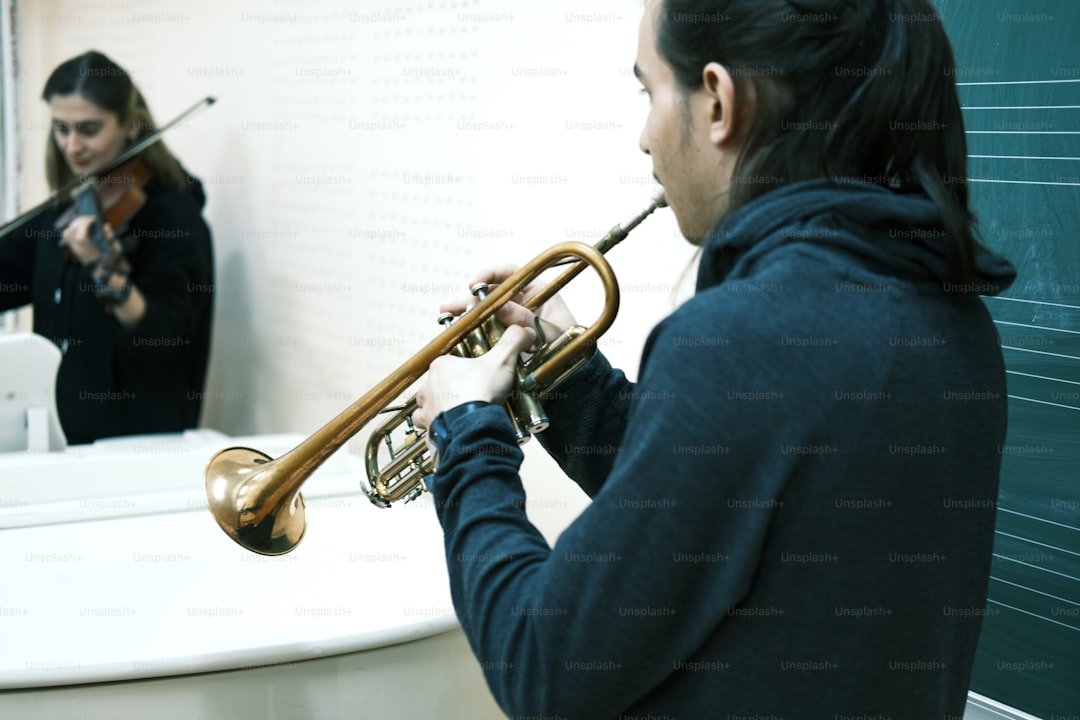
(112,568)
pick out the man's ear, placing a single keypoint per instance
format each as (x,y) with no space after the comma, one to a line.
(719,88)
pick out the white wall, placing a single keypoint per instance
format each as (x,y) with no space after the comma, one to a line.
(363,160)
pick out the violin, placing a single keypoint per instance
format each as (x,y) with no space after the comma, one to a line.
(114,194)
(113,197)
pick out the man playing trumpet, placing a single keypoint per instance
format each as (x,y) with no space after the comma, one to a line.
(777,534)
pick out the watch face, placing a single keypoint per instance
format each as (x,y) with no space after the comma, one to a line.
(440,434)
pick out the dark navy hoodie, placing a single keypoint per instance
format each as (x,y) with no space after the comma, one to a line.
(793,508)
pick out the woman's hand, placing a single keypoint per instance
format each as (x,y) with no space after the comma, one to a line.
(452,380)
(76,238)
(125,300)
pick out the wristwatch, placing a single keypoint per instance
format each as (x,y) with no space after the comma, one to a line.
(439,432)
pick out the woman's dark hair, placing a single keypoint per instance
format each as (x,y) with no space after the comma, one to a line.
(96,78)
(849,90)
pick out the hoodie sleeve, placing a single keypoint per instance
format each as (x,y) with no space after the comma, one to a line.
(563,631)
(17,254)
(588,414)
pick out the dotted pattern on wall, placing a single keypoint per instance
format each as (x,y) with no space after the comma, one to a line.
(364,160)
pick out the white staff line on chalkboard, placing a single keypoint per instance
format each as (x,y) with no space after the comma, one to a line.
(1039,519)
(1022,157)
(1040,377)
(1022,182)
(983,705)
(1035,567)
(1019,82)
(1038,592)
(1020,107)
(1022,132)
(1044,402)
(1039,352)
(1033,542)
(1033,302)
(1035,615)
(1037,327)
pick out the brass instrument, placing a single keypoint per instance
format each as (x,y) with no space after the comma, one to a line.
(256,500)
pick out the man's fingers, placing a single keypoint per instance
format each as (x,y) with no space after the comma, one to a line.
(514,341)
(457,307)
(513,314)
(495,274)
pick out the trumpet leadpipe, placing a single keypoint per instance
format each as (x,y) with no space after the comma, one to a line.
(612,237)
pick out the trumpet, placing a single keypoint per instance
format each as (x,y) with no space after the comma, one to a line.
(257,500)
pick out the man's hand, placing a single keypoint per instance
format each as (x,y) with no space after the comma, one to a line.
(452,381)
(554,316)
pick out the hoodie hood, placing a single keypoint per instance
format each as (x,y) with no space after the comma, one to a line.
(898,235)
(196,190)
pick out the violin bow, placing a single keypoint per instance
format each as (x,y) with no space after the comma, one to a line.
(116,162)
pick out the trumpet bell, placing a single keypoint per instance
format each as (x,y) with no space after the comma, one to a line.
(237,492)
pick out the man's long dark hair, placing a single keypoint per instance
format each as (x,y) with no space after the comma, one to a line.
(844,90)
(96,78)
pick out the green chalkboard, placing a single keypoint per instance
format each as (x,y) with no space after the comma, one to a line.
(1018,71)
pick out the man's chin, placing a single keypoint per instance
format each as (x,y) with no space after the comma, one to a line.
(696,236)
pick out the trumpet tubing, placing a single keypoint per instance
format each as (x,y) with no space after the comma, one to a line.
(257,501)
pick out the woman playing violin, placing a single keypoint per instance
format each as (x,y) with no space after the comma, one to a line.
(131,312)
